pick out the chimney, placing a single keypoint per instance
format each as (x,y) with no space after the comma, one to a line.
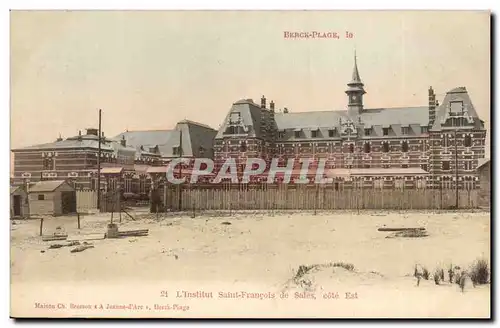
(432,106)
(285,110)
(123,142)
(59,138)
(263,102)
(271,105)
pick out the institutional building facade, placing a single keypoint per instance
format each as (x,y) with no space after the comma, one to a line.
(433,145)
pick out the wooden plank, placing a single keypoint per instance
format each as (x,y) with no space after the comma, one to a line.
(52,237)
(92,236)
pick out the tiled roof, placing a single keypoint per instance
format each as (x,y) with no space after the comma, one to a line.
(46,186)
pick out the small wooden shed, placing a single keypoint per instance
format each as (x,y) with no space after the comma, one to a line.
(19,205)
(55,197)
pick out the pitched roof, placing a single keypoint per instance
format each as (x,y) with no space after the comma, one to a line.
(194,136)
(250,117)
(13,189)
(46,186)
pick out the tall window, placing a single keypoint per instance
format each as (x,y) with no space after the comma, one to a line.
(48,164)
(385,131)
(243,147)
(385,147)
(446,165)
(445,141)
(468,163)
(404,147)
(351,148)
(367,147)
(468,141)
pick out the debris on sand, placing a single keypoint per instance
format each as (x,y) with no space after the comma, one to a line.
(70,244)
(81,248)
(416,233)
(226,223)
(399,229)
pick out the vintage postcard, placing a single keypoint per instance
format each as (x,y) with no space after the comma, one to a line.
(250,164)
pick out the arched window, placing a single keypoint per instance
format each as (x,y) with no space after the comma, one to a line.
(351,148)
(468,141)
(404,146)
(367,147)
(385,147)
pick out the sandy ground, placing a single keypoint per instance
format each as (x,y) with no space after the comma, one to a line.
(258,253)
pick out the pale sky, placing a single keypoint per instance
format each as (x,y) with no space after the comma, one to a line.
(150,69)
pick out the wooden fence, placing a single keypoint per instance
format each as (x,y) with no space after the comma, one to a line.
(86,200)
(316,198)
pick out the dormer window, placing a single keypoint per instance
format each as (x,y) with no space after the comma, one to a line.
(424,129)
(331,133)
(176,150)
(297,133)
(235,118)
(314,133)
(368,132)
(281,134)
(385,131)
(405,130)
(456,108)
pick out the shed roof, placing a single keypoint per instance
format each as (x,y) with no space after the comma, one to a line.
(47,186)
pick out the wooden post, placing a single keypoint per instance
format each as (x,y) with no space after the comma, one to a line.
(41,226)
(120,206)
(78,216)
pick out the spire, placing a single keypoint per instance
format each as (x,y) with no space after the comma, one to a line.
(355,73)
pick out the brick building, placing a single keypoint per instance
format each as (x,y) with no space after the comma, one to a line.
(129,160)
(426,146)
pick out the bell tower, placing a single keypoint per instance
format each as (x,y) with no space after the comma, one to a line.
(355,91)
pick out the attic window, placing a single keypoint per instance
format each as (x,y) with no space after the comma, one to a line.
(456,107)
(405,130)
(314,133)
(297,133)
(331,133)
(368,132)
(281,134)
(385,131)
(176,150)
(424,129)
(234,118)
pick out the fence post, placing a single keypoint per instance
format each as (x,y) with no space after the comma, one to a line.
(78,215)
(41,226)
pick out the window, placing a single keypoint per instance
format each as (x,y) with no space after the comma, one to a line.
(331,133)
(337,186)
(468,141)
(404,166)
(456,107)
(234,118)
(446,165)
(444,141)
(468,163)
(385,147)
(243,147)
(281,134)
(41,197)
(424,129)
(366,166)
(314,133)
(424,167)
(404,146)
(368,132)
(297,134)
(176,151)
(405,130)
(48,164)
(351,148)
(421,184)
(367,147)
(385,131)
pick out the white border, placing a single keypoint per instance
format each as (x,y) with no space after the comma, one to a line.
(186,4)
